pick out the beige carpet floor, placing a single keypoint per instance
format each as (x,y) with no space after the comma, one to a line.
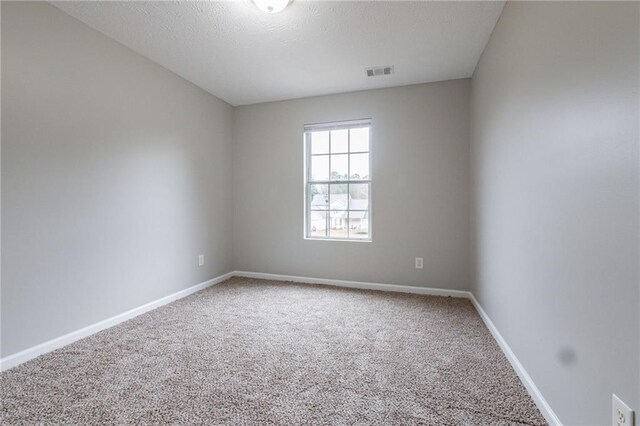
(255,352)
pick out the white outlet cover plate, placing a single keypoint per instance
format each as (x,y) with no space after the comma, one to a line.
(621,413)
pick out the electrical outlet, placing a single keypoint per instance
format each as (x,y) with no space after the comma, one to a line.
(201,260)
(419,263)
(622,415)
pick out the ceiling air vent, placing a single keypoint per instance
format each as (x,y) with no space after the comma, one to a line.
(376,71)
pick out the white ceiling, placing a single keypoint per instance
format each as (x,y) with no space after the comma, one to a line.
(243,56)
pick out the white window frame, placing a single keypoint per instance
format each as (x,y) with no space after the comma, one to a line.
(336,125)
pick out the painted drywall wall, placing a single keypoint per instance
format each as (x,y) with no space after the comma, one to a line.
(420,195)
(555,155)
(115,177)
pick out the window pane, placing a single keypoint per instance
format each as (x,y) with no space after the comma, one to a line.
(317,224)
(338,203)
(339,167)
(319,142)
(339,141)
(359,139)
(338,225)
(318,197)
(359,196)
(359,224)
(339,197)
(359,166)
(319,167)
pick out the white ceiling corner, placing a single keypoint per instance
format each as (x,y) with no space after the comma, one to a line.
(243,56)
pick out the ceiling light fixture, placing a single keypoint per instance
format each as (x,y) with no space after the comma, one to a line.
(272,6)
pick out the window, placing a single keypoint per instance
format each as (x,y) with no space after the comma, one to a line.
(338,181)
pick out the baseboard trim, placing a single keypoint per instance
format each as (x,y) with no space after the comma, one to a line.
(59,342)
(527,381)
(357,284)
(23,356)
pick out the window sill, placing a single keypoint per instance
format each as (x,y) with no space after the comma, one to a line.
(346,240)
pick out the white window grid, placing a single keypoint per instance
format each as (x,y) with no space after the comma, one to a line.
(341,125)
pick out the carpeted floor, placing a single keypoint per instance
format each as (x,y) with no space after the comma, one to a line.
(263,352)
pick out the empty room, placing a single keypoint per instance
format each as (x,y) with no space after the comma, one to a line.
(290,212)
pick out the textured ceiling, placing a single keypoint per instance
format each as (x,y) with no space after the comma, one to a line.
(244,56)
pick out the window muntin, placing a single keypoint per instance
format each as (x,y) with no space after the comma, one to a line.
(338,181)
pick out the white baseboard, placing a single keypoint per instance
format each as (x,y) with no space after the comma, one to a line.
(544,407)
(527,381)
(27,354)
(357,284)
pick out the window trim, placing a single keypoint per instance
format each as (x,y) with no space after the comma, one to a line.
(336,125)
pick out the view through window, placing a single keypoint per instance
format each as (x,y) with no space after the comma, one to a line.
(338,180)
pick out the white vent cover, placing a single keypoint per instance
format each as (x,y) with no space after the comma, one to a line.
(376,71)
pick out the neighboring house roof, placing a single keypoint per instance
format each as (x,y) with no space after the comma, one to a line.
(338,202)
(319,201)
(358,204)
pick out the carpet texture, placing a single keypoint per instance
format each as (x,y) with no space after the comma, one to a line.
(256,352)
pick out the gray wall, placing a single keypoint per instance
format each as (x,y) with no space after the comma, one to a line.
(116,174)
(420,197)
(555,142)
